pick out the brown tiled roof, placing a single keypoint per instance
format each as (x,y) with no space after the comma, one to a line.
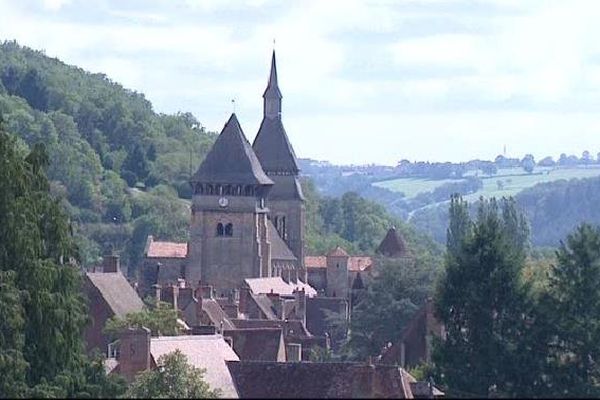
(338,252)
(393,245)
(231,160)
(317,380)
(258,344)
(315,261)
(167,250)
(279,250)
(202,351)
(116,291)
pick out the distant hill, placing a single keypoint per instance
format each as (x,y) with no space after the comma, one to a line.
(122,169)
(554,209)
(102,140)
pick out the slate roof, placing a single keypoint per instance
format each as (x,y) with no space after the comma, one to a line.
(273,86)
(258,344)
(264,304)
(231,160)
(293,328)
(167,250)
(393,245)
(317,380)
(116,291)
(273,148)
(216,314)
(202,351)
(279,249)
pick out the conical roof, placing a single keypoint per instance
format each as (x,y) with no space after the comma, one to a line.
(273,148)
(393,245)
(231,160)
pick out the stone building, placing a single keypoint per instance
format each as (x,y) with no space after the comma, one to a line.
(109,295)
(247,211)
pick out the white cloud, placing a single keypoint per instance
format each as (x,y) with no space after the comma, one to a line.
(188,56)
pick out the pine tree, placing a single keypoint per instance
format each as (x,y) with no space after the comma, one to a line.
(40,290)
(572,311)
(482,301)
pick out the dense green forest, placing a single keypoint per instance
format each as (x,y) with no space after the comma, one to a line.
(122,169)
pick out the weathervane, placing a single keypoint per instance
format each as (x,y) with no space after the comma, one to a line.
(233,105)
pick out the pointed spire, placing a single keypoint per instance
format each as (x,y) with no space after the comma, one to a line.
(272,89)
(271,144)
(231,160)
(272,95)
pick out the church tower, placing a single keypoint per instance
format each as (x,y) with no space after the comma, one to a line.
(228,232)
(277,157)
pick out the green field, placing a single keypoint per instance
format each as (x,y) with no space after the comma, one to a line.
(413,186)
(513,180)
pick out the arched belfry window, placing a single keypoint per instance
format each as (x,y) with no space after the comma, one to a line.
(209,189)
(229,230)
(220,229)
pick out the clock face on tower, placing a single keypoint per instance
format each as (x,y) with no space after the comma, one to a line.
(223,202)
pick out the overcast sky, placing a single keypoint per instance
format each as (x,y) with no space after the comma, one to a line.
(362,82)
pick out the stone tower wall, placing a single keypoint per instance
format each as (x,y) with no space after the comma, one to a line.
(225,261)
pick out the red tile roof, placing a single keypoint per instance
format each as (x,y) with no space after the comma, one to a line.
(315,262)
(355,263)
(167,250)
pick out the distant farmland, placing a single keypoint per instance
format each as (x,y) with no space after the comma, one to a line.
(507,182)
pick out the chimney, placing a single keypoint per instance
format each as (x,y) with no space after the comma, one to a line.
(134,354)
(198,297)
(300,297)
(170,294)
(293,352)
(231,310)
(205,291)
(277,304)
(111,263)
(244,300)
(157,294)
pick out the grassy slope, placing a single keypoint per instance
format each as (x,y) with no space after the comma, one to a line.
(514,181)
